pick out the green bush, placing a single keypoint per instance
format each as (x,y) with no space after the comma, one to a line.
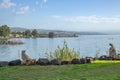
(64,53)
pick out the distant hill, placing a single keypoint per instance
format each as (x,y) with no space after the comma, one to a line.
(18,29)
(57,31)
(91,33)
(117,32)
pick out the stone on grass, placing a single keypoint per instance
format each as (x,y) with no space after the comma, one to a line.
(83,61)
(65,62)
(43,61)
(15,62)
(75,61)
(55,62)
(3,63)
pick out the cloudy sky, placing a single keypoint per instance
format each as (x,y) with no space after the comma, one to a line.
(70,15)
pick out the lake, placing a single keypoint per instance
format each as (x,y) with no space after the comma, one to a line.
(86,45)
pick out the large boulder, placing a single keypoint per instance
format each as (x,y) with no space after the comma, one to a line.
(103,57)
(43,61)
(109,58)
(55,62)
(65,62)
(15,62)
(89,60)
(75,61)
(83,61)
(3,63)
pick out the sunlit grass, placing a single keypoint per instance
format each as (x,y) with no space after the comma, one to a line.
(106,61)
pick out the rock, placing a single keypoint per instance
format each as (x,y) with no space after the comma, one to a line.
(15,62)
(75,61)
(55,62)
(3,63)
(43,61)
(109,58)
(103,57)
(89,60)
(29,62)
(65,62)
(118,57)
(83,61)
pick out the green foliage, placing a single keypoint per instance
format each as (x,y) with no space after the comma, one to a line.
(64,53)
(27,33)
(34,33)
(51,34)
(4,31)
(2,38)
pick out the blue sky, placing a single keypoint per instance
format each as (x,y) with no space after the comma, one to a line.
(70,15)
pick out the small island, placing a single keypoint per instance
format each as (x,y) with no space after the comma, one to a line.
(5,36)
(13,42)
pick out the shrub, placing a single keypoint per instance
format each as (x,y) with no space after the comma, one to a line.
(64,53)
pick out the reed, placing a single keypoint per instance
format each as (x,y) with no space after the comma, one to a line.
(64,53)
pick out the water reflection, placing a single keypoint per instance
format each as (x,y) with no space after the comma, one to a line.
(87,45)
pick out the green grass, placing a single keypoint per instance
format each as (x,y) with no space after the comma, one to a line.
(106,61)
(95,71)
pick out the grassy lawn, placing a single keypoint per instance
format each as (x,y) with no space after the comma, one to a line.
(95,71)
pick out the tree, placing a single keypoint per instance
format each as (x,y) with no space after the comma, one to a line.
(27,33)
(51,34)
(4,31)
(34,33)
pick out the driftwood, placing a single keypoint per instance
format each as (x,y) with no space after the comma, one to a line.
(26,60)
(25,56)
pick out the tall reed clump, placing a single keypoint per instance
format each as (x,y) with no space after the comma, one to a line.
(64,53)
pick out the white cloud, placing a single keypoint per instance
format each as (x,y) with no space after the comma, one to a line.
(56,16)
(44,1)
(89,19)
(6,4)
(23,10)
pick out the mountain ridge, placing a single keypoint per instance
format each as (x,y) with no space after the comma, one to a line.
(42,31)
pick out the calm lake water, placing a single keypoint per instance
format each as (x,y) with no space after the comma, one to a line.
(86,45)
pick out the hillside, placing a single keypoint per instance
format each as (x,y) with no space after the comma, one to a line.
(57,31)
